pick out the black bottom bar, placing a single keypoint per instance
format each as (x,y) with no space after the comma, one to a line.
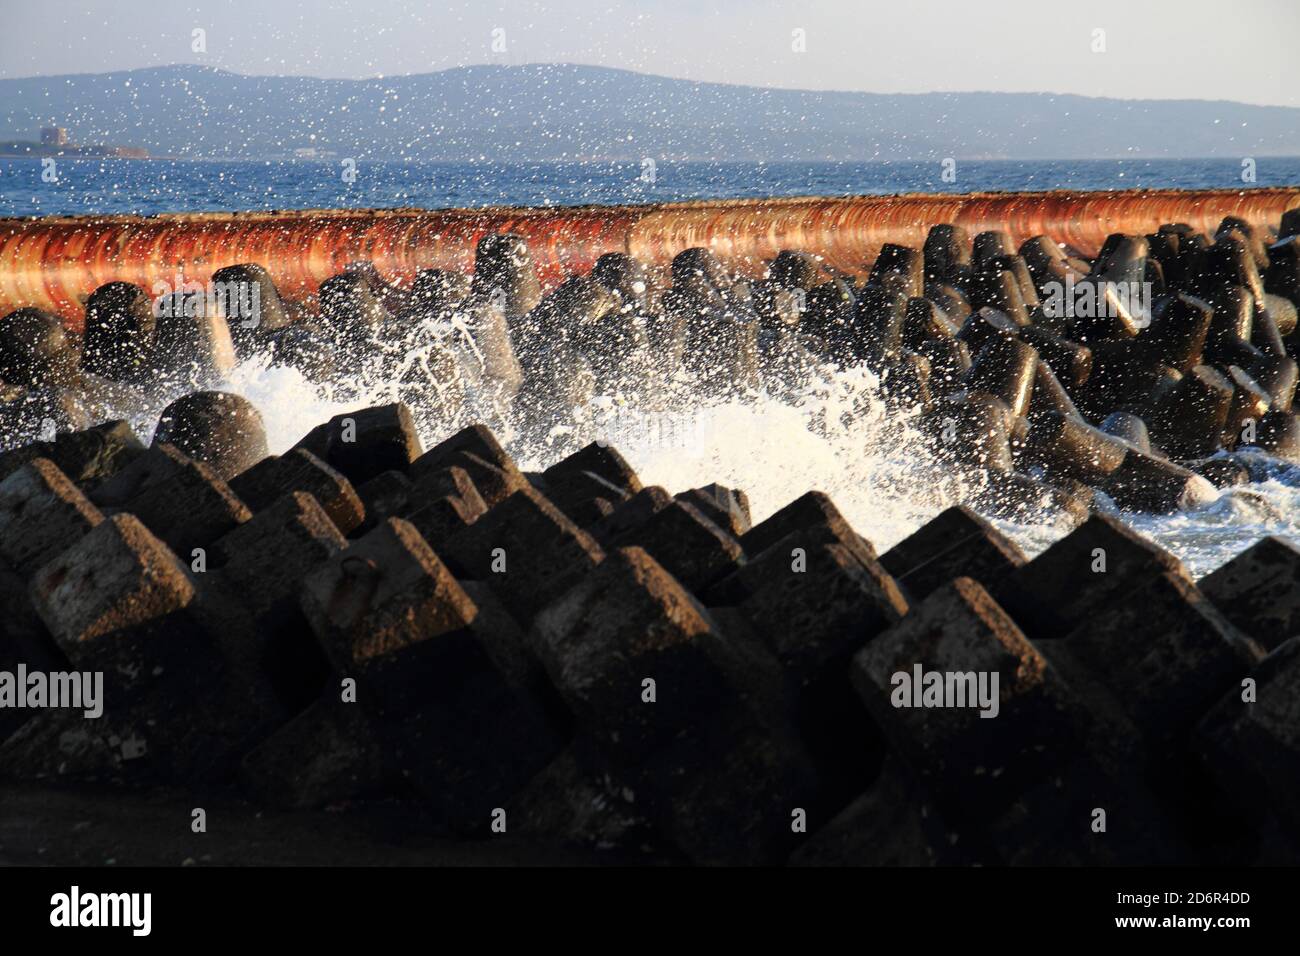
(336,904)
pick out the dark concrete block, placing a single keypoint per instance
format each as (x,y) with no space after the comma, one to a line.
(974,764)
(389,613)
(41,514)
(118,601)
(1059,589)
(526,550)
(601,460)
(956,543)
(1259,591)
(299,470)
(366,443)
(693,549)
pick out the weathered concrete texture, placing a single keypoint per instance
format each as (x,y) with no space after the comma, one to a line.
(601,460)
(819,600)
(259,567)
(387,495)
(365,443)
(526,550)
(299,470)
(687,747)
(41,513)
(805,511)
(973,764)
(956,543)
(1163,652)
(178,499)
(810,600)
(443,673)
(476,450)
(626,623)
(87,457)
(389,614)
(444,502)
(117,601)
(582,495)
(690,546)
(1259,591)
(1092,566)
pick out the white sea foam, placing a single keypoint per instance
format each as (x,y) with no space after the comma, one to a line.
(835,437)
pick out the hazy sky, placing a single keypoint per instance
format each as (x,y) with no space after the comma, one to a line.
(1204,49)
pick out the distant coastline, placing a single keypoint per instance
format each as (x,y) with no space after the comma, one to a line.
(24,149)
(561,113)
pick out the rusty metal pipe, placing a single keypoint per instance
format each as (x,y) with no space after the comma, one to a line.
(55,263)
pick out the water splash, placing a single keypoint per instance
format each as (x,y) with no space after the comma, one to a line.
(834,434)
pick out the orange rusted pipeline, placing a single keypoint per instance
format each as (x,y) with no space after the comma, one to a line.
(55,263)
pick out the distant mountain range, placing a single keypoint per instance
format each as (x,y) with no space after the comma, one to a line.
(561,112)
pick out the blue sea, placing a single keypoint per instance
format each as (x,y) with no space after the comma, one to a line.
(107,186)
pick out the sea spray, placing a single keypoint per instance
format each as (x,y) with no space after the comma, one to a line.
(832,433)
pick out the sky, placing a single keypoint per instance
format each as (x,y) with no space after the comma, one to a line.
(1160,49)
